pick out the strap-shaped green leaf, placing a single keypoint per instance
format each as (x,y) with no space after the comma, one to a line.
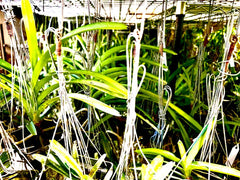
(182,152)
(46,92)
(97,165)
(95,26)
(15,94)
(8,80)
(95,103)
(46,103)
(196,146)
(187,117)
(102,87)
(52,163)
(40,64)
(42,83)
(155,151)
(31,32)
(31,128)
(215,168)
(148,122)
(182,129)
(100,76)
(123,58)
(65,157)
(5,65)
(155,48)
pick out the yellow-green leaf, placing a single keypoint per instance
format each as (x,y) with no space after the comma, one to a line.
(95,103)
(96,26)
(31,32)
(62,153)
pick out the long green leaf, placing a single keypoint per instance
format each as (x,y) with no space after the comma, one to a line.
(102,120)
(102,77)
(164,153)
(148,95)
(46,103)
(182,152)
(191,121)
(155,48)
(42,83)
(5,65)
(95,103)
(46,92)
(145,114)
(40,64)
(173,74)
(101,87)
(73,63)
(110,71)
(183,131)
(31,32)
(113,59)
(123,58)
(6,79)
(195,149)
(31,128)
(112,51)
(97,165)
(96,26)
(15,94)
(123,48)
(148,122)
(61,152)
(197,165)
(106,54)
(64,167)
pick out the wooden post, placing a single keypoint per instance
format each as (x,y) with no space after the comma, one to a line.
(180,13)
(2,45)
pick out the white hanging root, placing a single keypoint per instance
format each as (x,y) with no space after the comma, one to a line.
(130,134)
(218,94)
(215,100)
(197,90)
(158,136)
(133,88)
(19,64)
(67,116)
(14,153)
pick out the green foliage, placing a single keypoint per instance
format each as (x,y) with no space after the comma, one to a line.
(187,161)
(5,161)
(156,170)
(41,86)
(94,103)
(62,162)
(29,24)
(94,63)
(96,26)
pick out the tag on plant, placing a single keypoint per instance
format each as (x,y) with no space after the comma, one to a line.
(231,62)
(232,155)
